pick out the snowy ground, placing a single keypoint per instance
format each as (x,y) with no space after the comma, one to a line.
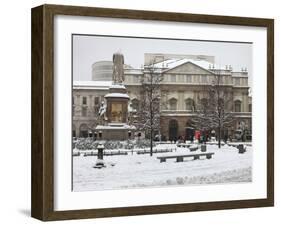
(135,171)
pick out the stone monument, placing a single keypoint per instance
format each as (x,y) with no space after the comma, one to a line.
(115,126)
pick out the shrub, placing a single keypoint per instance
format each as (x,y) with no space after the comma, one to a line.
(90,144)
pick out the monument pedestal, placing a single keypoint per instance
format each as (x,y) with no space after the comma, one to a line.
(116,127)
(116,132)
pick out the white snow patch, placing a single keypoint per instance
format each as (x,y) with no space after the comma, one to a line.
(104,85)
(117,86)
(115,126)
(135,171)
(121,95)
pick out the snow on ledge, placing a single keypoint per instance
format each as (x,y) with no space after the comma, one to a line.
(120,95)
(124,126)
(117,86)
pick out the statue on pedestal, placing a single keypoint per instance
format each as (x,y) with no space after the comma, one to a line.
(114,112)
(118,70)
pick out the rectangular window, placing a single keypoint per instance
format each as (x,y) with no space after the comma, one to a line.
(237,81)
(84,101)
(173,78)
(136,79)
(188,78)
(204,79)
(181,78)
(97,100)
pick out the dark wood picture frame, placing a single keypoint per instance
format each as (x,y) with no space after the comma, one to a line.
(42,203)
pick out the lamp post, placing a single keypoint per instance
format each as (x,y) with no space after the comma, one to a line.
(100,163)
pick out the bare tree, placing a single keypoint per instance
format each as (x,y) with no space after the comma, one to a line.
(216,111)
(96,115)
(149,113)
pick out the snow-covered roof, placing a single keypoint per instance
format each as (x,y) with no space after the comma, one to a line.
(92,84)
(120,95)
(172,63)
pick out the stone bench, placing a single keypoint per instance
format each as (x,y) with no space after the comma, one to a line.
(193,148)
(183,145)
(75,154)
(179,158)
(105,153)
(155,151)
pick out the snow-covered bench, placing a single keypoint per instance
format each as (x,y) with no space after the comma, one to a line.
(215,143)
(183,145)
(105,153)
(76,154)
(193,148)
(180,158)
(155,151)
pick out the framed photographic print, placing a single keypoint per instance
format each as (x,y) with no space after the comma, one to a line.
(141,112)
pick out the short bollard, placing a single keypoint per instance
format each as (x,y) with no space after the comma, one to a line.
(241,148)
(100,163)
(100,151)
(203,148)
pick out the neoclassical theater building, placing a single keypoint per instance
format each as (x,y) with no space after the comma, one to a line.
(185,78)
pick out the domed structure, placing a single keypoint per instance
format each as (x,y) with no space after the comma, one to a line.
(102,71)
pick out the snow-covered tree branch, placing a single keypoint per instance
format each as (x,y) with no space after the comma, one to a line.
(149,113)
(215,111)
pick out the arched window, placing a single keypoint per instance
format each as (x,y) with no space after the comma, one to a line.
(135,104)
(84,130)
(189,104)
(203,103)
(237,106)
(173,104)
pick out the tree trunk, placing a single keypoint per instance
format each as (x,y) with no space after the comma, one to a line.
(151,121)
(219,136)
(151,143)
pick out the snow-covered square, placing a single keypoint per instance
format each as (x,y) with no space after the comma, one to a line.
(151,112)
(142,170)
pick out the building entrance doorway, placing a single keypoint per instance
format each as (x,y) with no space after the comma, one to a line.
(189,133)
(84,130)
(173,130)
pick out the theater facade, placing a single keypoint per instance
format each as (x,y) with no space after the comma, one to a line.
(185,78)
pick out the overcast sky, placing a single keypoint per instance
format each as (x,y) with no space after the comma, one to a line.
(90,49)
